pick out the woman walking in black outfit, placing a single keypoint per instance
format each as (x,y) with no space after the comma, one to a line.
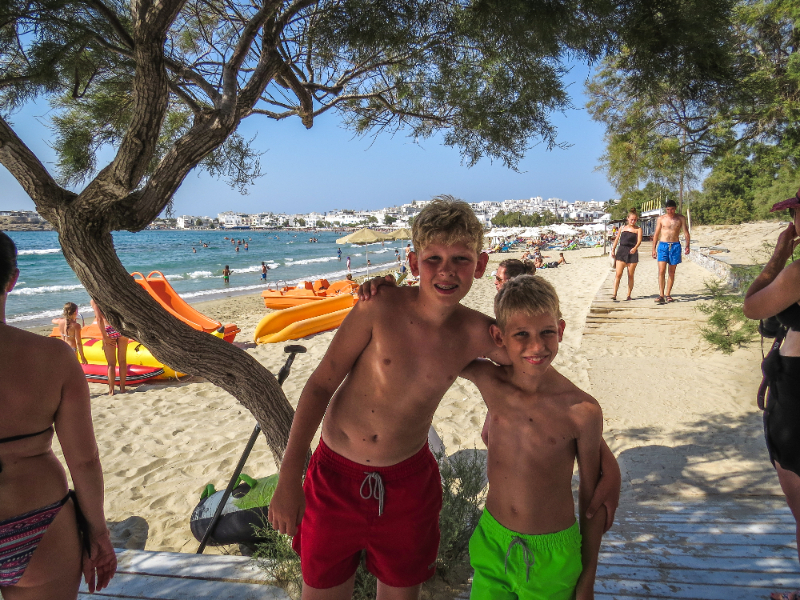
(625,250)
(776,292)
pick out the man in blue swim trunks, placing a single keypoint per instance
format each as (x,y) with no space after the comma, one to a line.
(667,247)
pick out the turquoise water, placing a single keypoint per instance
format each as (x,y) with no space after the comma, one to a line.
(46,281)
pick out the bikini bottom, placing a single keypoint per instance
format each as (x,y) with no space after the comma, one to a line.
(20,536)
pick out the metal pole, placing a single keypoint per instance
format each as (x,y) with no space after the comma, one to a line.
(293,351)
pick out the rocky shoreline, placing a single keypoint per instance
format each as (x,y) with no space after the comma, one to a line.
(5,225)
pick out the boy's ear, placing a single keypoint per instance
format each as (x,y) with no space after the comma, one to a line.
(480,268)
(413,263)
(562,324)
(497,335)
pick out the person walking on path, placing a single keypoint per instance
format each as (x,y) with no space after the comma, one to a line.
(46,540)
(667,248)
(776,292)
(628,239)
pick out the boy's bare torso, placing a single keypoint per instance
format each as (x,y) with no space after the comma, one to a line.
(532,449)
(670,228)
(381,413)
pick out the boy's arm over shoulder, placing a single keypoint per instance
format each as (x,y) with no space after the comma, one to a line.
(588,419)
(481,338)
(478,371)
(288,504)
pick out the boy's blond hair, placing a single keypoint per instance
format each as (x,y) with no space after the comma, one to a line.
(529,294)
(447,220)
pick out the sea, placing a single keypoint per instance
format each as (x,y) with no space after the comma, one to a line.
(46,281)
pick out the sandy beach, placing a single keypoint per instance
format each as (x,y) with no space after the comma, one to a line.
(680,415)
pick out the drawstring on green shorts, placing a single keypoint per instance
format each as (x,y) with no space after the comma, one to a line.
(527,556)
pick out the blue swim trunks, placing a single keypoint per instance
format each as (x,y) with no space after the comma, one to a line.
(669,252)
(264,276)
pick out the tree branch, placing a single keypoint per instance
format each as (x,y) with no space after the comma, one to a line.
(230,72)
(113,20)
(30,173)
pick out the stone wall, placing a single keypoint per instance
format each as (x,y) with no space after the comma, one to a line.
(719,268)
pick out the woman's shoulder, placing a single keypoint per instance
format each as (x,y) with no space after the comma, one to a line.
(33,341)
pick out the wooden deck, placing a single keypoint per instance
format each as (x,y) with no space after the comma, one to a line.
(174,576)
(699,551)
(702,551)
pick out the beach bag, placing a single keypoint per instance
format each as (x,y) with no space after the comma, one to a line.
(770,328)
(244,511)
(770,365)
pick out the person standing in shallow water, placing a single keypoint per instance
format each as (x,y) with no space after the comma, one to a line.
(625,250)
(667,248)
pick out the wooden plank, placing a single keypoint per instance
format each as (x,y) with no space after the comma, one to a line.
(641,558)
(624,576)
(177,576)
(701,538)
(682,527)
(655,589)
(199,566)
(721,551)
(150,587)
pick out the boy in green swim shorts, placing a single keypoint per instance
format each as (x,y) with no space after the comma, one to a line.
(527,543)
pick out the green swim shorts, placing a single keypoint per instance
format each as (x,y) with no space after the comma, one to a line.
(510,565)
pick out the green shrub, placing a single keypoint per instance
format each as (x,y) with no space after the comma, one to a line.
(463,483)
(727,328)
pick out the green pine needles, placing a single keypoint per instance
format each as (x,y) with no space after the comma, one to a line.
(727,328)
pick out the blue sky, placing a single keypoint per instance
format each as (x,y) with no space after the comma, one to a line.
(326,167)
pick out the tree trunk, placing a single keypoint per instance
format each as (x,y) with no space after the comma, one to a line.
(89,250)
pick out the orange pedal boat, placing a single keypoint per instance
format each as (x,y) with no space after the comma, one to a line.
(304,320)
(306,292)
(161,290)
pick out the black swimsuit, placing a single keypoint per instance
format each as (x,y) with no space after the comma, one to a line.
(627,240)
(782,413)
(14,438)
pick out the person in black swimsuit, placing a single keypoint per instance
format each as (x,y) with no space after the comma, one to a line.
(625,251)
(41,527)
(776,292)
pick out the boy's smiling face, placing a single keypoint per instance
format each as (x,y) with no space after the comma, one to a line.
(531,341)
(447,270)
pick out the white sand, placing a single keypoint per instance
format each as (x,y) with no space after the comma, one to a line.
(681,415)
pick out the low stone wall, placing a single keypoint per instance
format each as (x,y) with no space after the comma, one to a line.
(719,268)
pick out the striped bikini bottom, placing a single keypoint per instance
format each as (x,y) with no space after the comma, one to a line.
(20,536)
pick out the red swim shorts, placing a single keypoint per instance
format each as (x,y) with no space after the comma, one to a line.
(391,512)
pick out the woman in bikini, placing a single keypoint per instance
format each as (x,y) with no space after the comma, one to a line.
(115,347)
(629,238)
(776,292)
(42,553)
(70,329)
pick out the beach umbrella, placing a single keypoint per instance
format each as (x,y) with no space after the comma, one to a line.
(401,234)
(364,236)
